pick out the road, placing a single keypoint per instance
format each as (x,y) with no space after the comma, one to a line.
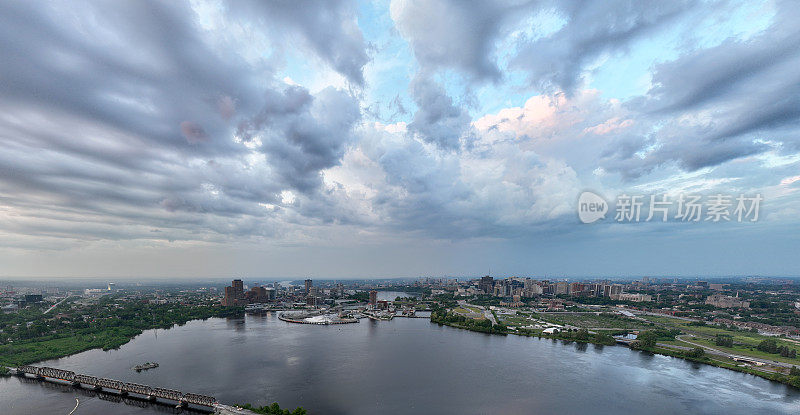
(488,314)
(55,305)
(718,352)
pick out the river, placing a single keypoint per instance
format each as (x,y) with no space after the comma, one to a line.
(401,366)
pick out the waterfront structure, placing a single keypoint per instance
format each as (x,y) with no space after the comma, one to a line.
(373,298)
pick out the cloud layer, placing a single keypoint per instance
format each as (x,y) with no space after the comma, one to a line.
(158,123)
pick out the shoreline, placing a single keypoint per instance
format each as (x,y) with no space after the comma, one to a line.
(775,377)
(658,350)
(65,346)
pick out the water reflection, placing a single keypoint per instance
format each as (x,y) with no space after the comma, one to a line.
(399,366)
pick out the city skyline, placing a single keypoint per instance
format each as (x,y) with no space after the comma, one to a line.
(365,139)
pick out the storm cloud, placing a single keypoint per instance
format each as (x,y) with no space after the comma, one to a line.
(142,126)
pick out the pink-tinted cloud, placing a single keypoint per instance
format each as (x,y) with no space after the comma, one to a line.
(609,126)
(227,107)
(193,132)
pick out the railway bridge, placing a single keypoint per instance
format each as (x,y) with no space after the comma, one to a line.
(124,388)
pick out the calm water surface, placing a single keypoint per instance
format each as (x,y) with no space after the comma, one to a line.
(400,366)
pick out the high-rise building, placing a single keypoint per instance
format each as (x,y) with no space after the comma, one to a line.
(562,287)
(309,284)
(486,284)
(238,285)
(616,289)
(373,297)
(234,295)
(112,286)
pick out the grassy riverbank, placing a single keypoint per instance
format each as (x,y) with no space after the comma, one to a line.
(111,325)
(273,409)
(442,317)
(480,325)
(788,379)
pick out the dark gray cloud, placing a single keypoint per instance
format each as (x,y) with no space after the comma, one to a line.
(118,120)
(438,120)
(464,35)
(303,135)
(457,34)
(328,27)
(145,121)
(556,62)
(722,103)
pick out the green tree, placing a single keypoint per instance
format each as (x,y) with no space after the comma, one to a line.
(724,340)
(646,340)
(696,353)
(769,346)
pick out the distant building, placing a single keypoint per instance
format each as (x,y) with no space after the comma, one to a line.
(632,297)
(576,289)
(486,284)
(616,289)
(33,298)
(112,286)
(726,301)
(373,297)
(562,287)
(309,284)
(234,294)
(256,295)
(717,287)
(312,300)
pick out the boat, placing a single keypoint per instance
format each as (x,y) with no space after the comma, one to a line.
(148,365)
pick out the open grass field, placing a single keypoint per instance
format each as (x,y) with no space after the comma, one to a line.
(469,311)
(517,320)
(601,321)
(744,342)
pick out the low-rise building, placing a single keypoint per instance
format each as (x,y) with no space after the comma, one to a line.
(726,301)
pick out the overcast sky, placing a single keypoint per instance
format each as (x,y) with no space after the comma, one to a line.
(337,139)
